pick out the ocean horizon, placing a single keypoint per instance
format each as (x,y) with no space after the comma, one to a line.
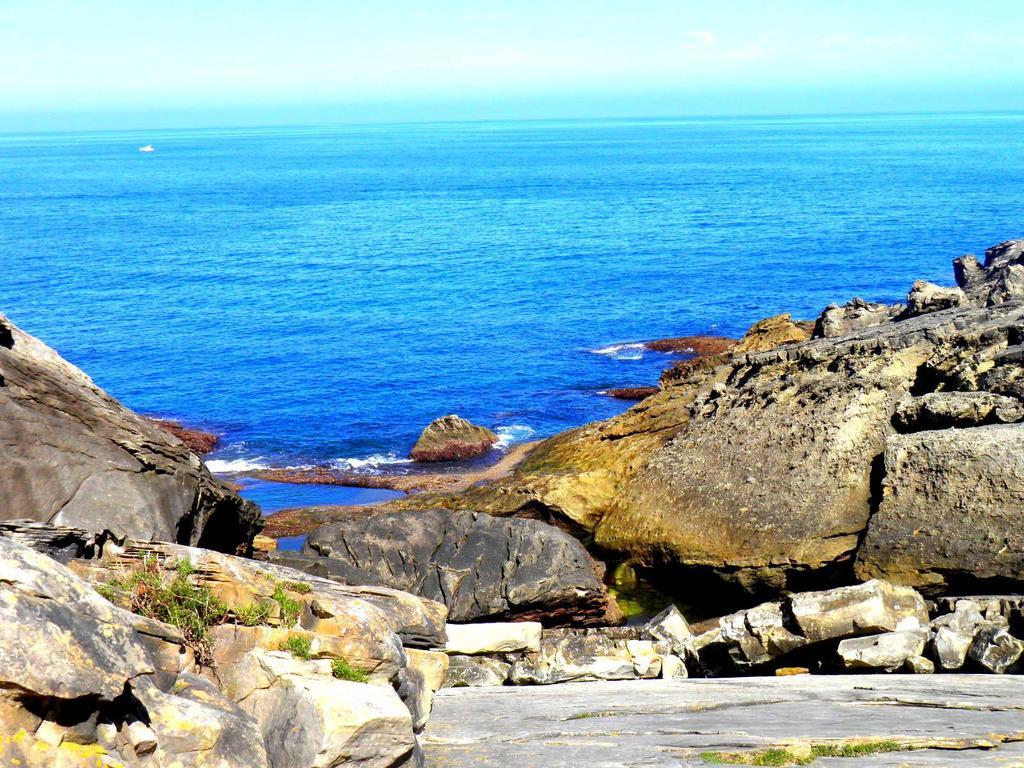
(317,295)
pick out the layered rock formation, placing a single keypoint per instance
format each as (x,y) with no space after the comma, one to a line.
(74,456)
(452,438)
(479,566)
(765,468)
(302,672)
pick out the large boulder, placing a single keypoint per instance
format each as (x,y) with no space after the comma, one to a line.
(452,438)
(309,719)
(74,456)
(58,637)
(950,509)
(478,565)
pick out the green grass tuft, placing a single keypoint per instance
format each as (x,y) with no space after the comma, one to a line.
(290,609)
(778,756)
(342,670)
(253,615)
(176,600)
(298,646)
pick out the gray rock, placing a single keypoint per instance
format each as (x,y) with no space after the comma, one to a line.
(479,566)
(671,627)
(57,636)
(919,665)
(493,637)
(855,315)
(952,722)
(996,649)
(940,410)
(950,509)
(74,456)
(308,718)
(476,672)
(759,635)
(873,607)
(588,654)
(1000,280)
(888,651)
(953,634)
(927,297)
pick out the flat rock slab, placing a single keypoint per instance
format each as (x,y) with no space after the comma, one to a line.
(969,720)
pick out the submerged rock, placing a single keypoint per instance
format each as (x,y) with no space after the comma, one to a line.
(452,438)
(479,566)
(76,457)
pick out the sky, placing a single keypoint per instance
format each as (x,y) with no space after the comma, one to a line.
(86,64)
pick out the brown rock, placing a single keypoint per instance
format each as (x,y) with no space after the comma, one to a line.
(698,346)
(452,438)
(198,441)
(631,393)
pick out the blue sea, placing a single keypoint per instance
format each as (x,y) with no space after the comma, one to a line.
(319,294)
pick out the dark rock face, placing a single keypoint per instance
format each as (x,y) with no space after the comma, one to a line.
(478,565)
(74,456)
(452,438)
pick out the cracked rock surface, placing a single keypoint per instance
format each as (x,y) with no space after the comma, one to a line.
(957,720)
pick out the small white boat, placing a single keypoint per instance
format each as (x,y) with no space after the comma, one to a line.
(147,148)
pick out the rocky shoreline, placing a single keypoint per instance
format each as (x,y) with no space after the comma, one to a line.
(841,497)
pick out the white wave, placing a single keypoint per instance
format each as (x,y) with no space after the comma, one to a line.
(235,465)
(513,433)
(370,464)
(628,351)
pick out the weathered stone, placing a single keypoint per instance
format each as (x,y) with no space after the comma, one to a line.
(479,566)
(950,509)
(873,607)
(310,719)
(504,637)
(74,456)
(919,665)
(671,627)
(452,438)
(57,636)
(673,667)
(940,410)
(888,651)
(770,333)
(996,649)
(476,672)
(433,665)
(587,654)
(1001,279)
(927,297)
(954,633)
(855,315)
(958,721)
(140,737)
